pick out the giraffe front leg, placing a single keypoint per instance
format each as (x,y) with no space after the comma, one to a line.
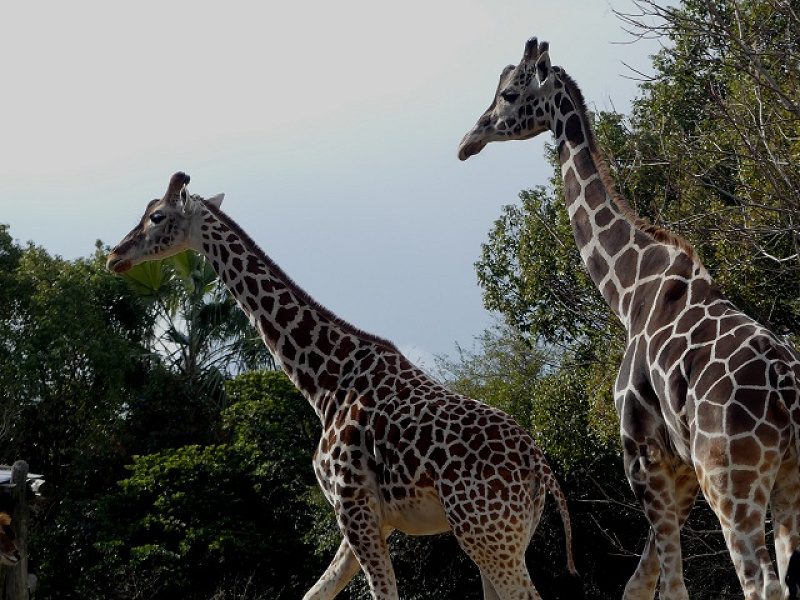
(361,525)
(342,569)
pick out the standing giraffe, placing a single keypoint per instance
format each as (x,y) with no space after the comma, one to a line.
(707,398)
(398,450)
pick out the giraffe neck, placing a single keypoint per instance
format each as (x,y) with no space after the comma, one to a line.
(319,352)
(614,242)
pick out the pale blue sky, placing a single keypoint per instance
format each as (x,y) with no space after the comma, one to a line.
(331,127)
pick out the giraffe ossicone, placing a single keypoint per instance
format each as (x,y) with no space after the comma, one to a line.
(707,398)
(398,450)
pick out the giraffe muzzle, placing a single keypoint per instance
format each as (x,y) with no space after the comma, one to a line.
(467,149)
(118,265)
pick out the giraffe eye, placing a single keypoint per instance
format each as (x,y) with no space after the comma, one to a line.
(509,96)
(157,217)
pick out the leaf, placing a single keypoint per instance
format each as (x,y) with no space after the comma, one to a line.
(195,272)
(184,264)
(147,278)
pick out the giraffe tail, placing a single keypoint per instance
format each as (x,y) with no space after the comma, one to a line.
(551,483)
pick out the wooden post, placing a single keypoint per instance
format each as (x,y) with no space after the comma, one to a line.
(16,581)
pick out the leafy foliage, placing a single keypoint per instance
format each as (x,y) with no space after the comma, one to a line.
(199,518)
(69,335)
(532,274)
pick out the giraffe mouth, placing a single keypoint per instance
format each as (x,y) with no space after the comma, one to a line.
(118,265)
(466,150)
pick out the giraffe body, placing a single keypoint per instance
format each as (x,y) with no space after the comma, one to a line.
(398,450)
(707,398)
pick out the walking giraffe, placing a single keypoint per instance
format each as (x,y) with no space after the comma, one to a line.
(706,396)
(398,450)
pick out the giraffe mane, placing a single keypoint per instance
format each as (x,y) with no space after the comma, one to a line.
(302,295)
(659,234)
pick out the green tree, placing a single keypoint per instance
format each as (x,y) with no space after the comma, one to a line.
(69,334)
(501,370)
(533,277)
(532,274)
(72,339)
(86,385)
(199,520)
(199,339)
(10,311)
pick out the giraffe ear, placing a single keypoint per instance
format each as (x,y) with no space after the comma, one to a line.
(543,66)
(216,200)
(184,198)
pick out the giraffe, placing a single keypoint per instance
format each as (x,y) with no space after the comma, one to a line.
(707,398)
(398,450)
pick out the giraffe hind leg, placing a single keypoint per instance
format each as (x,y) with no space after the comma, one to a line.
(489,592)
(497,543)
(746,538)
(509,581)
(653,478)
(785,506)
(643,582)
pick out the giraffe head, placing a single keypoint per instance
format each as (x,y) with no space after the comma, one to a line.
(522,106)
(165,228)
